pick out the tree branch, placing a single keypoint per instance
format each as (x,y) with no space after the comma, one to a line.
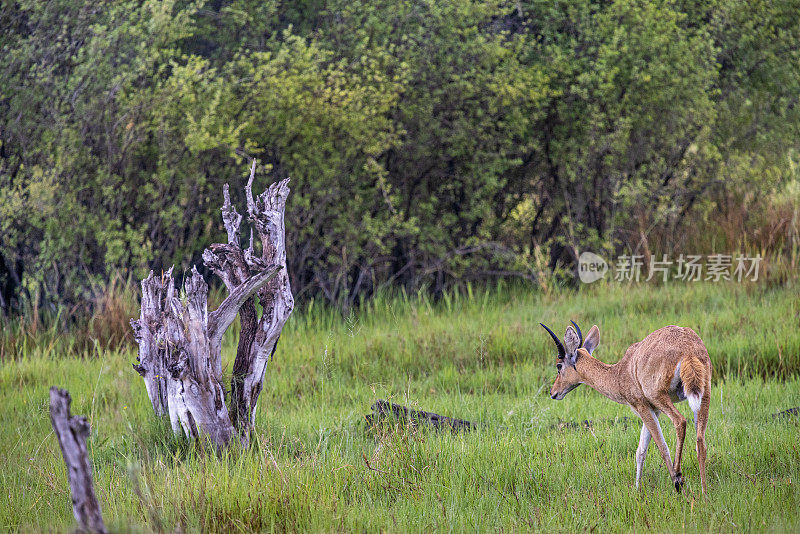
(220,319)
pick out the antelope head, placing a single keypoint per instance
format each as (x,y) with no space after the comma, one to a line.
(568,377)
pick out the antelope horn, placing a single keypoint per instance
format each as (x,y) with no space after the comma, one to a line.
(580,336)
(561,351)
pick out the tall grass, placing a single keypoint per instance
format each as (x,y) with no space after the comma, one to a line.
(101,323)
(740,217)
(758,321)
(734,221)
(315,465)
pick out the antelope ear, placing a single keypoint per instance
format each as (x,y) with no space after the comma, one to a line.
(592,339)
(571,341)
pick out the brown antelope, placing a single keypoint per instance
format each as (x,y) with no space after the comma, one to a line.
(668,366)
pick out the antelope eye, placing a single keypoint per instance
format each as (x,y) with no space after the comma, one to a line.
(558,366)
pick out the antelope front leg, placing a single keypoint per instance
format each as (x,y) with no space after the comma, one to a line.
(641,452)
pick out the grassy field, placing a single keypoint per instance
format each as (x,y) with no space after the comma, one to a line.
(477,356)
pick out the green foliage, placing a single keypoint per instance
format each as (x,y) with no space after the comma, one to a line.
(429,144)
(467,110)
(630,126)
(82,194)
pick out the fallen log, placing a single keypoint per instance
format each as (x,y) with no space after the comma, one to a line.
(383,410)
(72,432)
(785,414)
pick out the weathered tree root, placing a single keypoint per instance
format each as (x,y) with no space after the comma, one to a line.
(384,410)
(72,432)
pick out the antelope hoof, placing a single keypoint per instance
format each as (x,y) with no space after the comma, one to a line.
(678,482)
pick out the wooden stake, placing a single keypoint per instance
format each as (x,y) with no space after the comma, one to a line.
(72,432)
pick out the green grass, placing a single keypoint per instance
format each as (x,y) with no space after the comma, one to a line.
(477,356)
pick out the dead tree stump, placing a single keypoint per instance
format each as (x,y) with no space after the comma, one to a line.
(72,432)
(258,338)
(180,342)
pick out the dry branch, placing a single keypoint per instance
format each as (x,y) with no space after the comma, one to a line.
(72,432)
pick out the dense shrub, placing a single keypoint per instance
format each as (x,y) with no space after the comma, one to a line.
(429,143)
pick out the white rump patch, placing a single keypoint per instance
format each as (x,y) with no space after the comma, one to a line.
(694,400)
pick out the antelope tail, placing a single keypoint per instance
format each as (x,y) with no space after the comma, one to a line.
(693,376)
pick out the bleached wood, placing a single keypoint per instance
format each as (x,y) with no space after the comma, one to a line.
(151,359)
(180,342)
(221,318)
(259,335)
(72,432)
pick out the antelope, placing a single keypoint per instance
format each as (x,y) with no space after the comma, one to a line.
(670,365)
